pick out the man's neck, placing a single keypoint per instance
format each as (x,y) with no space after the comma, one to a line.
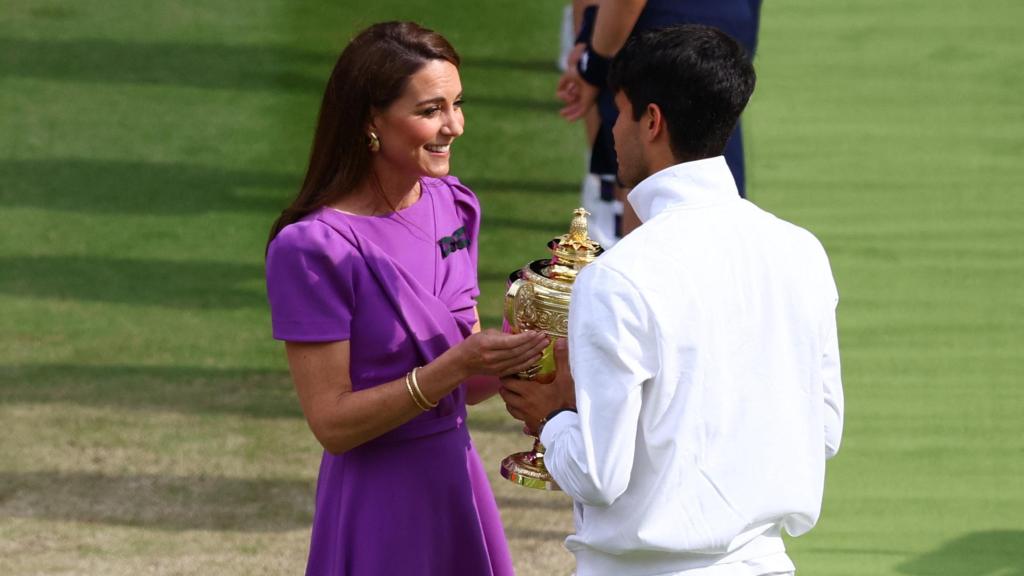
(660,157)
(697,182)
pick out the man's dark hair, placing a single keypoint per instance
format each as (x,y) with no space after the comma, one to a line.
(699,76)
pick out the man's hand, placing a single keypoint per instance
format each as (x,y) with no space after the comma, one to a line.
(532,401)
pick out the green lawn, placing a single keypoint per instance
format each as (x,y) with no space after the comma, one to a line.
(149,425)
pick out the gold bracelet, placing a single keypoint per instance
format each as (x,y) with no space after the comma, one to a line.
(419,393)
(408,386)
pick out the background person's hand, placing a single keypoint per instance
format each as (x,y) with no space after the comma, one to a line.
(584,97)
(573,90)
(566,90)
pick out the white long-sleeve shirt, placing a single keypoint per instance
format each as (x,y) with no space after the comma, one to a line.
(704,351)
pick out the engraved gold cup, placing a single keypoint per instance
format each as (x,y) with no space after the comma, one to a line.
(538,299)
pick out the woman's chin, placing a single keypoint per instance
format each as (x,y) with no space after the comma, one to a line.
(437,171)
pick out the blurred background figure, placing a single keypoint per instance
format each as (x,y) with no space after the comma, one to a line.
(602,28)
(604,215)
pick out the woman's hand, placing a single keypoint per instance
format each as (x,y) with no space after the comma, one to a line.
(495,353)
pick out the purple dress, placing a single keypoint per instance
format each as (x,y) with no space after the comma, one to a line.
(401,289)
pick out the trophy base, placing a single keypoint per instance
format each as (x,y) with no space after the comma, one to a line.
(527,469)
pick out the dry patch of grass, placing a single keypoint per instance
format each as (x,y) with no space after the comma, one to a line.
(102,489)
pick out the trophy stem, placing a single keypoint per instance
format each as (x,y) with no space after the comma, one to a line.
(527,469)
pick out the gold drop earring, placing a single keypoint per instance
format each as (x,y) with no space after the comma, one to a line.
(374,142)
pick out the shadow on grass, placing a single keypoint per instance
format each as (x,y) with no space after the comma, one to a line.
(193,285)
(109,187)
(512,223)
(505,425)
(535,534)
(489,274)
(500,64)
(486,186)
(160,502)
(544,501)
(253,393)
(989,553)
(251,67)
(517,104)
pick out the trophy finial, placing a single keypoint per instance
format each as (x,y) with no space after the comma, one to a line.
(572,251)
(578,232)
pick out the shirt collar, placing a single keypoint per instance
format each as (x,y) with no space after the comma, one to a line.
(696,183)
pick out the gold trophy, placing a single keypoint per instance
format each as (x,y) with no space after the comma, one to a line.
(538,299)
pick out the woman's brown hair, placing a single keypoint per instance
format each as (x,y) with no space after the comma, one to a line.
(370,74)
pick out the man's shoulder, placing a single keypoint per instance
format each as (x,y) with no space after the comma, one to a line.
(623,257)
(782,228)
(613,271)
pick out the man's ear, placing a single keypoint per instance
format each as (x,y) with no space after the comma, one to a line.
(653,123)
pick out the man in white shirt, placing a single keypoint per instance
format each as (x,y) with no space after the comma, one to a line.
(705,392)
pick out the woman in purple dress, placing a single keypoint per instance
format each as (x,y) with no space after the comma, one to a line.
(371,276)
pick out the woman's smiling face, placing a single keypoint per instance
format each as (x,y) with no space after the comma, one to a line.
(417,130)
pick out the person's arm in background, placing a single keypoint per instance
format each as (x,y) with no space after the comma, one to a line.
(612,25)
(615,20)
(578,6)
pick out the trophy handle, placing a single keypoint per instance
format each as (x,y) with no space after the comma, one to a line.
(510,304)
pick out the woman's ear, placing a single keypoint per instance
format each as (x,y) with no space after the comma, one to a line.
(373,120)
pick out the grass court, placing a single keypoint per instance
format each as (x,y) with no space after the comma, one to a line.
(148,421)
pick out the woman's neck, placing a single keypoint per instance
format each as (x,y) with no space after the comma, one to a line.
(378,196)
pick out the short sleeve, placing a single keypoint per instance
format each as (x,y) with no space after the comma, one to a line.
(468,208)
(310,283)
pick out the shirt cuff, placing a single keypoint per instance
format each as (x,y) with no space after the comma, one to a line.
(553,428)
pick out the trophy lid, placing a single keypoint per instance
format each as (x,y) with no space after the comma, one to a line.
(571,252)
